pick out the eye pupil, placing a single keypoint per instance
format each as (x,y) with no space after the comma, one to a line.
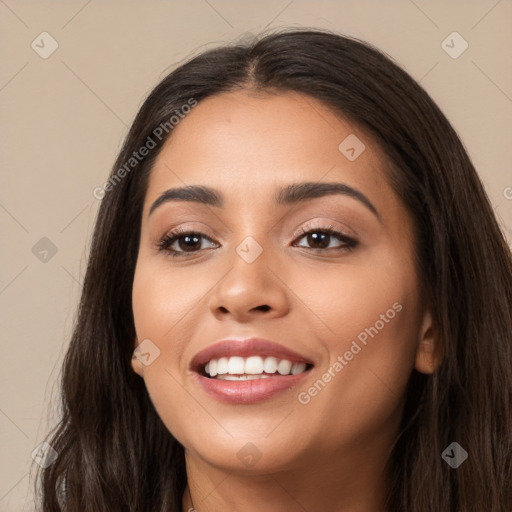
(319,238)
(186,239)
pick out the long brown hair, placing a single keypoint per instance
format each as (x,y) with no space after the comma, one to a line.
(115,454)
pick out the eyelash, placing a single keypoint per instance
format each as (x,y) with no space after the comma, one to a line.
(165,243)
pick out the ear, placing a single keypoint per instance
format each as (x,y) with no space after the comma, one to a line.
(136,363)
(429,350)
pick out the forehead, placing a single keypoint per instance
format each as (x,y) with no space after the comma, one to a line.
(246,142)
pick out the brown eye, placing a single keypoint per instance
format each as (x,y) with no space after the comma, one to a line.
(318,240)
(182,242)
(189,242)
(321,239)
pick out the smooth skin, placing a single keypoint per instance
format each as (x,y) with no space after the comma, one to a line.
(330,453)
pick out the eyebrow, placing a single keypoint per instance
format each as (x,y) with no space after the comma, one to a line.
(288,195)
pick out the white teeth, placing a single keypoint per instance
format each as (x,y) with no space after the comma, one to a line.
(254,365)
(242,377)
(222,366)
(250,368)
(284,367)
(235,365)
(298,368)
(270,365)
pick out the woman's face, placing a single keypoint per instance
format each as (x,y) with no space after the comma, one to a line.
(342,308)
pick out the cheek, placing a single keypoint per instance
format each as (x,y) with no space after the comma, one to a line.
(362,388)
(160,299)
(369,324)
(163,308)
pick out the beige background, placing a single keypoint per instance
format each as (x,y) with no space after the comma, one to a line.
(64,118)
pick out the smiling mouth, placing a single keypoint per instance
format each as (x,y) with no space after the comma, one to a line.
(238,368)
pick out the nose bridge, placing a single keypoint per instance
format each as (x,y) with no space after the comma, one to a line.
(250,286)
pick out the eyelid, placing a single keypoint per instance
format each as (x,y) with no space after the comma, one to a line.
(184,229)
(320,224)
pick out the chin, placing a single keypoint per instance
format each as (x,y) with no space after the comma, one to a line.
(249,454)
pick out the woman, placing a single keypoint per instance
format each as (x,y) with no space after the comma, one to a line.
(297,298)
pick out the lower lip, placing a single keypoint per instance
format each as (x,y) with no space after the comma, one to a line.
(249,391)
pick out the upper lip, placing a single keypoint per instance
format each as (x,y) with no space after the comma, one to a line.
(246,348)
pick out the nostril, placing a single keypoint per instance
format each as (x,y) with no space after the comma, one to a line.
(263,308)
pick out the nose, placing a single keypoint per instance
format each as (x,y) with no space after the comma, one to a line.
(249,291)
